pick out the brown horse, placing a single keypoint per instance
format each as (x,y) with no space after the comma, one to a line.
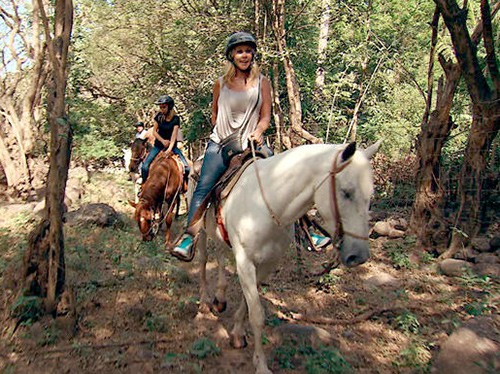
(139,148)
(159,196)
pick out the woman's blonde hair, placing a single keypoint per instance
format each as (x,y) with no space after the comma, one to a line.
(231,72)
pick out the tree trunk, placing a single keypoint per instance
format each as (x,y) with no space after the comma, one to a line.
(322,45)
(484,129)
(485,107)
(20,98)
(427,220)
(281,138)
(297,133)
(44,261)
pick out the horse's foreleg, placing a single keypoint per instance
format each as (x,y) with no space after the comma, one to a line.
(201,247)
(219,304)
(168,224)
(238,339)
(248,280)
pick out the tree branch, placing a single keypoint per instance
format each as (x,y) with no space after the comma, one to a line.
(465,50)
(489,44)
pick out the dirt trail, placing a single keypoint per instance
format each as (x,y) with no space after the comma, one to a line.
(138,312)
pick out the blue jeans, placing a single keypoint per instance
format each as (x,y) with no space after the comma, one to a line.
(151,156)
(211,170)
(178,152)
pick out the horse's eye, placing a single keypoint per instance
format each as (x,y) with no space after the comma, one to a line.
(347,194)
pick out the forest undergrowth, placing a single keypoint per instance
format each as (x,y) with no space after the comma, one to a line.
(137,308)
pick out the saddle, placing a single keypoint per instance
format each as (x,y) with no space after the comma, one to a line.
(227,181)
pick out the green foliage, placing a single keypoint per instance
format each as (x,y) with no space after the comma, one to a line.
(477,308)
(27,309)
(327,360)
(156,323)
(328,281)
(172,359)
(284,356)
(93,148)
(482,289)
(416,357)
(408,323)
(471,280)
(426,257)
(50,336)
(397,251)
(203,348)
(317,361)
(274,320)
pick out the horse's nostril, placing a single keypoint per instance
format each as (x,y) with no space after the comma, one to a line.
(351,260)
(354,260)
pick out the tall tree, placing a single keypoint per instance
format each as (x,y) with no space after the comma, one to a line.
(44,269)
(297,133)
(324,27)
(427,217)
(484,93)
(24,70)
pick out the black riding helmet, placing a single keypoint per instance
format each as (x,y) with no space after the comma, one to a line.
(165,99)
(239,38)
(139,124)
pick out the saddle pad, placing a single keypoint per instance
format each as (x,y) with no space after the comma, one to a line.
(224,190)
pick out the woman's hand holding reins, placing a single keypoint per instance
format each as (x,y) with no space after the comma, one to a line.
(256,137)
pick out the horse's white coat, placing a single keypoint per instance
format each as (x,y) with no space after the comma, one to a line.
(127,156)
(293,182)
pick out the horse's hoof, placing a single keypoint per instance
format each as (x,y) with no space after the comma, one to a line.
(204,308)
(238,342)
(217,306)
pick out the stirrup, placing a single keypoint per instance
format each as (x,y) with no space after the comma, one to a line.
(184,249)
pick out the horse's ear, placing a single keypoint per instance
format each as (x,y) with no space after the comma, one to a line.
(348,151)
(371,150)
(132,203)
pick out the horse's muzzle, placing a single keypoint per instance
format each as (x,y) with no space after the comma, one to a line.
(147,237)
(354,252)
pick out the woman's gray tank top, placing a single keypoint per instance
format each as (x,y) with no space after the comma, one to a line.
(234,107)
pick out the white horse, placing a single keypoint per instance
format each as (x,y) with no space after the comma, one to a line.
(259,213)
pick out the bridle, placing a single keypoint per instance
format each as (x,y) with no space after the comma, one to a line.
(339,228)
(141,156)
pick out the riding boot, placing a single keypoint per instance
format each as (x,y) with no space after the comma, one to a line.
(184,248)
(320,241)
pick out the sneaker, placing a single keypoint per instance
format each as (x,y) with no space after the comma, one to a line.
(184,250)
(320,241)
